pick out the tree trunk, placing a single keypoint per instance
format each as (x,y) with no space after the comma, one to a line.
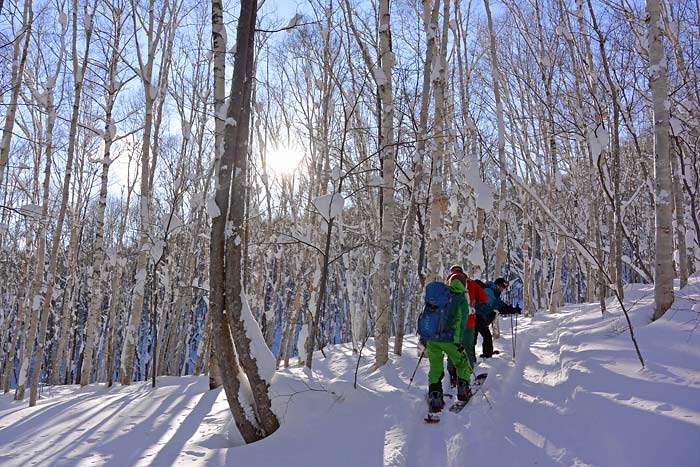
(679,210)
(556,296)
(227,296)
(500,124)
(384,308)
(438,196)
(658,82)
(156,31)
(19,60)
(204,344)
(422,135)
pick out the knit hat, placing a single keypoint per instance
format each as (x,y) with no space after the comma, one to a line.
(502,282)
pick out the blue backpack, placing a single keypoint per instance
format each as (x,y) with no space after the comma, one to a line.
(433,322)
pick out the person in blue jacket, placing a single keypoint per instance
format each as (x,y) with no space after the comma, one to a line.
(486,313)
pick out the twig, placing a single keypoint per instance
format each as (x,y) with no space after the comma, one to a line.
(287,28)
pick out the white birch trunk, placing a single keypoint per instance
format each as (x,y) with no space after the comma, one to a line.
(100,263)
(430,25)
(79,74)
(156,23)
(679,210)
(438,201)
(556,297)
(38,286)
(19,60)
(500,125)
(658,82)
(383,309)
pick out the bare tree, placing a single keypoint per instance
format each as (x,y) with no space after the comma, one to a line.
(227,298)
(384,303)
(109,135)
(431,27)
(500,124)
(157,27)
(19,60)
(658,82)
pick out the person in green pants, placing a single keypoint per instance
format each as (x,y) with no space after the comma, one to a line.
(476,295)
(454,351)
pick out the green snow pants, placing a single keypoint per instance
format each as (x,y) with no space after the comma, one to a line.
(468,336)
(437,368)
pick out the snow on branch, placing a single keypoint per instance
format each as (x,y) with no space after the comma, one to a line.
(329,206)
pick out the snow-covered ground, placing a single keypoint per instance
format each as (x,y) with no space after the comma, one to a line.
(575,395)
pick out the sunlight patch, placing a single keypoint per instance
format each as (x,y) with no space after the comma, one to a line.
(394,440)
(284,160)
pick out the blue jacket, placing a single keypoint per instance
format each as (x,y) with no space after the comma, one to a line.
(494,302)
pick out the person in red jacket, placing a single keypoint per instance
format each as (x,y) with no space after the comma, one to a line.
(476,295)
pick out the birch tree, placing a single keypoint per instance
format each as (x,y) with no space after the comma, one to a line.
(658,83)
(19,59)
(430,25)
(78,68)
(384,258)
(500,124)
(109,134)
(438,159)
(154,25)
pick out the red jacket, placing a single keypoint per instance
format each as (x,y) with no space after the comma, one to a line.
(475,292)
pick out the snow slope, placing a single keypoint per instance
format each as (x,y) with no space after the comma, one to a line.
(575,395)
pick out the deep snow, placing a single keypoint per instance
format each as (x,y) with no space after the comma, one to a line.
(575,395)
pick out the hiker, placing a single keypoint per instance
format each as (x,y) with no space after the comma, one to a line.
(449,344)
(486,313)
(468,323)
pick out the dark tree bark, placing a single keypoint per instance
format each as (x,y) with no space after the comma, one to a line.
(226,267)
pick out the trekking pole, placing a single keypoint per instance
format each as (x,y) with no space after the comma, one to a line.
(512,335)
(471,369)
(469,363)
(483,393)
(515,337)
(422,354)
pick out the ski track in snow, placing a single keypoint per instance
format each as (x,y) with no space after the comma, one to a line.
(575,395)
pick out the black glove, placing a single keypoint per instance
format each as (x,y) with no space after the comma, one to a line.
(460,348)
(491,318)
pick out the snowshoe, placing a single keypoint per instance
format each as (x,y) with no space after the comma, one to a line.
(435,401)
(435,405)
(463,391)
(461,404)
(478,382)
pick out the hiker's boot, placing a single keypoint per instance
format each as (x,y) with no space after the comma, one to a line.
(453,375)
(464,392)
(435,398)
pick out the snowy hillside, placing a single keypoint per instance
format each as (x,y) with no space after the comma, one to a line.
(574,395)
